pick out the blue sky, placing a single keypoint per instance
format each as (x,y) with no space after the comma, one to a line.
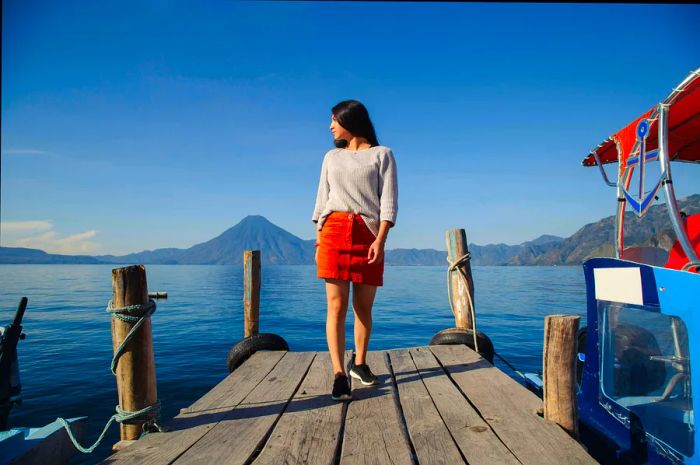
(136,125)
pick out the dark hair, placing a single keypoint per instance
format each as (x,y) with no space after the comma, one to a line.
(353,116)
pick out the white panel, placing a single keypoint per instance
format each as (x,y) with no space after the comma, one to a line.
(622,285)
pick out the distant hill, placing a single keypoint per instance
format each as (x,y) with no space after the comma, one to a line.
(254,232)
(491,254)
(281,247)
(422,257)
(500,254)
(597,239)
(9,255)
(159,256)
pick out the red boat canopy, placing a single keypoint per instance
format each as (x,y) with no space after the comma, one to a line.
(683,129)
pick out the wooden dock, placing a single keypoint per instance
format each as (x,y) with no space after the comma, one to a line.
(434,405)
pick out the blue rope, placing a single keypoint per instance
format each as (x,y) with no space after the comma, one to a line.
(152,412)
(148,416)
(122,313)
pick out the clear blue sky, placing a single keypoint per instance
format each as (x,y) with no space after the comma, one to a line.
(136,125)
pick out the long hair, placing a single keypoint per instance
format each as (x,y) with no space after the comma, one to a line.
(353,116)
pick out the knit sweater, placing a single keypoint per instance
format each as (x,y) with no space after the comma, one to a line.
(358,181)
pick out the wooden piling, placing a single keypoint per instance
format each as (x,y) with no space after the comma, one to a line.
(136,369)
(457,247)
(251,291)
(559,371)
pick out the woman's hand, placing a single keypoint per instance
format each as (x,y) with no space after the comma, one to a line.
(316,255)
(376,252)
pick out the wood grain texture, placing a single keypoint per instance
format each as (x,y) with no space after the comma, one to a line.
(136,368)
(236,386)
(54,448)
(276,408)
(510,410)
(559,371)
(251,292)
(237,436)
(477,441)
(309,430)
(430,437)
(193,423)
(456,241)
(373,432)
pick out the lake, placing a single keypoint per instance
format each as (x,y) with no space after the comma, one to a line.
(64,362)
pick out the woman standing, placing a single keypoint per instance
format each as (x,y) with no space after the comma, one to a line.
(356,205)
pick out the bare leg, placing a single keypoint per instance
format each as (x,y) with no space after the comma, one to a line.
(362,300)
(337,294)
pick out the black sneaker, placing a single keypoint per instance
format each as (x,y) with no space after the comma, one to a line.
(341,388)
(364,374)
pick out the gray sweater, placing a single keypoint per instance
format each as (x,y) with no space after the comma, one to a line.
(359,181)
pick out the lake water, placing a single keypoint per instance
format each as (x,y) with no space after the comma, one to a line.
(64,361)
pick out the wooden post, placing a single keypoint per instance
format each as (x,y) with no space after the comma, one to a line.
(456,248)
(136,368)
(251,291)
(559,371)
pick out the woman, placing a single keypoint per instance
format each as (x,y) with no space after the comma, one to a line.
(356,205)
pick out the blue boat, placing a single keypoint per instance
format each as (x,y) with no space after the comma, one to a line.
(45,445)
(49,444)
(639,356)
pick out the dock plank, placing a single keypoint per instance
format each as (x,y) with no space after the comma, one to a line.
(309,430)
(451,407)
(510,410)
(373,431)
(193,423)
(234,439)
(228,393)
(477,441)
(429,434)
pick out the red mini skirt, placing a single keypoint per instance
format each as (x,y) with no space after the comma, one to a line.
(343,248)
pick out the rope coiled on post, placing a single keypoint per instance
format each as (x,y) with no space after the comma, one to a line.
(457,265)
(123,314)
(148,416)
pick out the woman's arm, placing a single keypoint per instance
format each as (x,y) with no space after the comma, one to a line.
(388,206)
(384,230)
(388,189)
(321,199)
(322,193)
(376,249)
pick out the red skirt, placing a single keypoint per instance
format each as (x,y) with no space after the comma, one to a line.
(343,248)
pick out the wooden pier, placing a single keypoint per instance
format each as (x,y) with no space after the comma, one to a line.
(434,405)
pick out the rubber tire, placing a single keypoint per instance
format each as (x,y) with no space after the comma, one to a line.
(455,336)
(581,341)
(248,346)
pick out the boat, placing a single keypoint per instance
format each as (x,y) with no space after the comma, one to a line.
(22,445)
(639,356)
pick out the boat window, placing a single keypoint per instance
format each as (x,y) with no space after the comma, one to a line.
(645,370)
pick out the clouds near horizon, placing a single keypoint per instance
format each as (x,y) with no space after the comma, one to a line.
(40,234)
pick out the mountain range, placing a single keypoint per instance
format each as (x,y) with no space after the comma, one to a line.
(281,247)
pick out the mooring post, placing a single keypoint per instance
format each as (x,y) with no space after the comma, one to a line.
(136,368)
(251,292)
(559,371)
(462,295)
